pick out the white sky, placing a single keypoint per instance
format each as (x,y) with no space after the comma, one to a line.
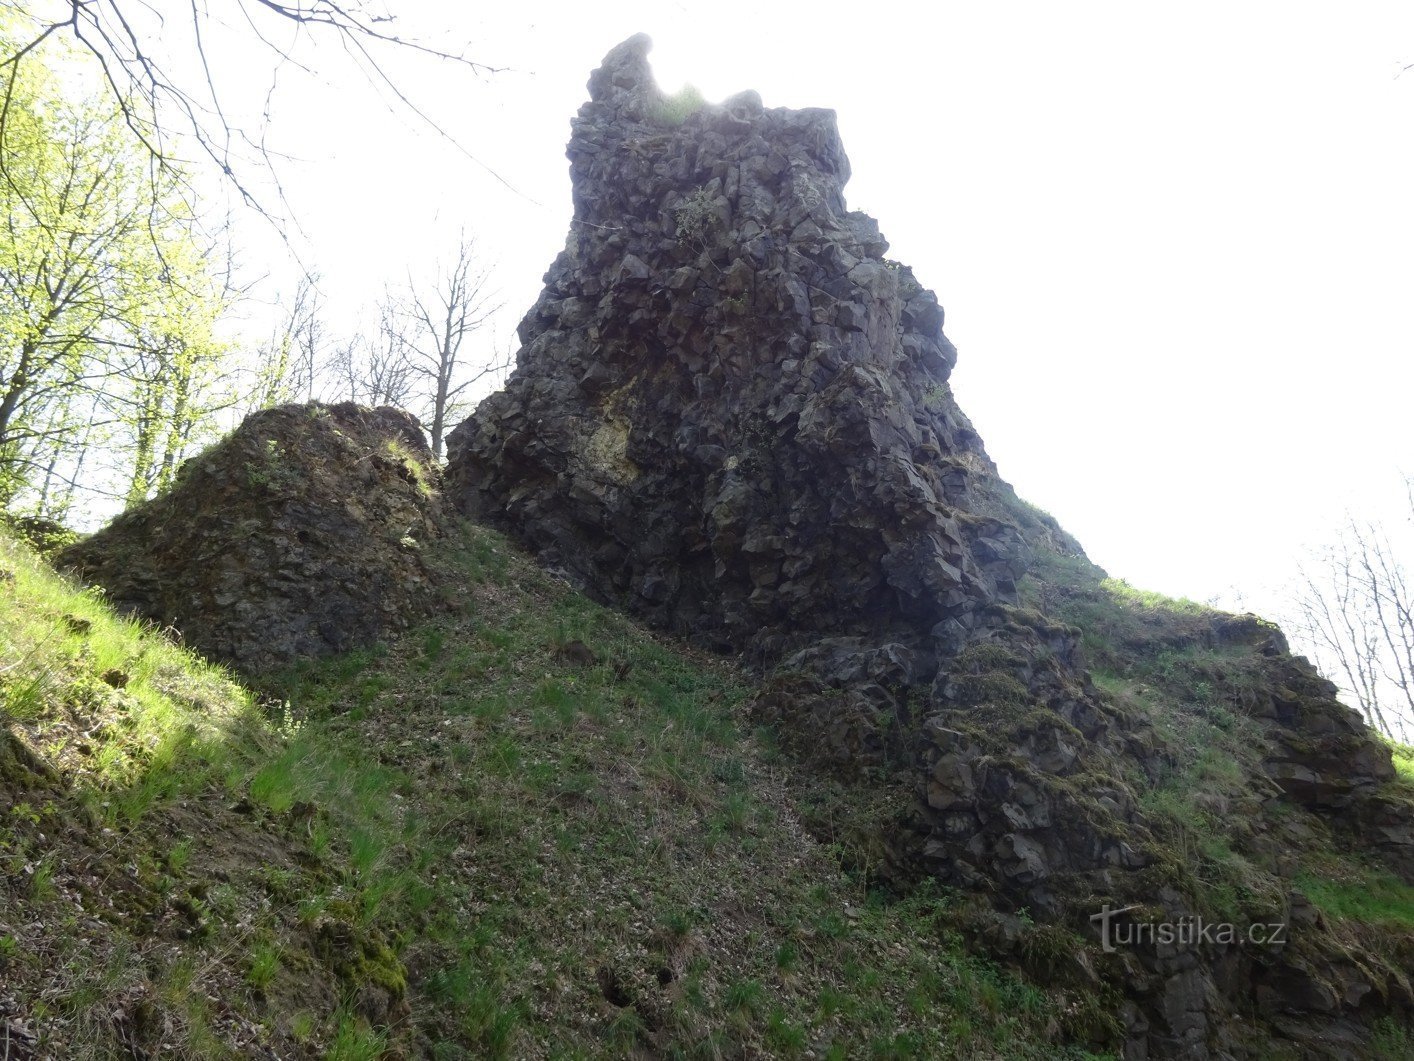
(1175,243)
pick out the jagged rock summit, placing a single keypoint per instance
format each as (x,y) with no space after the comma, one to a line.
(297,536)
(732,411)
(731,415)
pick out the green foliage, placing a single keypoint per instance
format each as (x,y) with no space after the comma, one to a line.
(672,111)
(504,838)
(935,396)
(696,217)
(1392,1039)
(108,302)
(44,536)
(1402,755)
(414,466)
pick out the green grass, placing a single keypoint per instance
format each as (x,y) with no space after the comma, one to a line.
(1121,625)
(1123,594)
(1402,755)
(355,1040)
(415,466)
(66,652)
(672,111)
(468,827)
(1391,1040)
(264,965)
(1370,897)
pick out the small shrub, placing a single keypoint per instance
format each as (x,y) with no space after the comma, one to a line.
(672,111)
(695,217)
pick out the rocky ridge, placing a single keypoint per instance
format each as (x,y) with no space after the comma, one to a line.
(731,416)
(297,536)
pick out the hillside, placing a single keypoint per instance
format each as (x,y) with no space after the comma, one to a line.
(527,829)
(731,415)
(718,699)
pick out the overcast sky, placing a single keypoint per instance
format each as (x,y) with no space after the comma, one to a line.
(1174,242)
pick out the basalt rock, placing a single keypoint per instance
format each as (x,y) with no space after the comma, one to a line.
(730,411)
(731,415)
(299,535)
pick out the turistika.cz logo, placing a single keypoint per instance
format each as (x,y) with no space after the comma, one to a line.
(1187,931)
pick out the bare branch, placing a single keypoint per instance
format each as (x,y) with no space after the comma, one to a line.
(159,108)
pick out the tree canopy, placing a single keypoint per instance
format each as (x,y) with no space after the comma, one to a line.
(108,299)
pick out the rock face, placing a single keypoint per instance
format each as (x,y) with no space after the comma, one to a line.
(731,415)
(731,411)
(299,535)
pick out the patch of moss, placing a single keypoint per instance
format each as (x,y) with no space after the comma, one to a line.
(991,686)
(988,656)
(357,954)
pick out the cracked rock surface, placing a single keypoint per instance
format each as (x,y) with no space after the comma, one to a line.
(296,536)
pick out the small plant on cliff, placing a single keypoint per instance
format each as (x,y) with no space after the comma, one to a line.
(673,110)
(908,285)
(416,471)
(935,396)
(267,468)
(695,217)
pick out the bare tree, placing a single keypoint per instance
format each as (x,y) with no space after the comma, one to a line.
(1386,588)
(145,51)
(1355,609)
(290,363)
(434,323)
(374,369)
(1333,618)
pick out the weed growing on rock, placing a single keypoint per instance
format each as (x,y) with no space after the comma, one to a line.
(671,111)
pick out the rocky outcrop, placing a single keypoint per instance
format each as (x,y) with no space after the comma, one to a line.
(299,535)
(731,412)
(731,415)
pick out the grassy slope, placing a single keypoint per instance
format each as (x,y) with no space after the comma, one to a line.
(530,829)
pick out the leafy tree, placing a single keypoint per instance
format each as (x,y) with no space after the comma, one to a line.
(107,304)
